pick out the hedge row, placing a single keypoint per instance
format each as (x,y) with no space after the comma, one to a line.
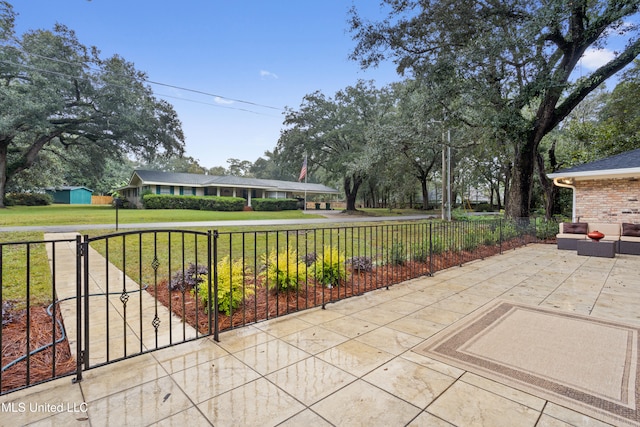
(27,199)
(203,203)
(274,204)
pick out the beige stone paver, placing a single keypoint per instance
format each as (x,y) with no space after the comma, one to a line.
(350,364)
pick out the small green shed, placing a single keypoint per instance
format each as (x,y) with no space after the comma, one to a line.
(71,195)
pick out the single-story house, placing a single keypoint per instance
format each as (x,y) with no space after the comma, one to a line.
(70,195)
(607,190)
(214,185)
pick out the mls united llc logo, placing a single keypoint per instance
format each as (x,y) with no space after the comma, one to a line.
(22,407)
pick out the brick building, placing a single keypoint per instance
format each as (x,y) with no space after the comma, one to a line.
(607,190)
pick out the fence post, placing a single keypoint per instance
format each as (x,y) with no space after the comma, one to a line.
(500,225)
(430,249)
(79,352)
(213,263)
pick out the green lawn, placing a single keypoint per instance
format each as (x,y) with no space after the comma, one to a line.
(102,214)
(14,258)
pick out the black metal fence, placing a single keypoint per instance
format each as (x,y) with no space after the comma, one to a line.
(35,345)
(71,305)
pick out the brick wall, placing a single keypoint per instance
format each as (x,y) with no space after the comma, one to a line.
(615,200)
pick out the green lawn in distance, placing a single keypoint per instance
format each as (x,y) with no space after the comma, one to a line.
(104,214)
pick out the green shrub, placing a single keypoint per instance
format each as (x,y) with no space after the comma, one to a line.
(546,229)
(231,286)
(284,270)
(274,204)
(438,245)
(470,241)
(483,207)
(491,238)
(397,254)
(205,203)
(329,268)
(28,199)
(215,203)
(420,251)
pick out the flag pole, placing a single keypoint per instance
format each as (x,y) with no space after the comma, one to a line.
(305,181)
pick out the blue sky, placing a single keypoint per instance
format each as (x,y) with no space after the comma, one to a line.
(266,52)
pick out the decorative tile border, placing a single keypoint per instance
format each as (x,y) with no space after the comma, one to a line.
(461,345)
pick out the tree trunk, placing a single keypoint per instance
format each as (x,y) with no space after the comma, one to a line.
(3,173)
(425,194)
(351,185)
(549,190)
(518,204)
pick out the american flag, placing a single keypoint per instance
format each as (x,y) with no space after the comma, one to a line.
(303,171)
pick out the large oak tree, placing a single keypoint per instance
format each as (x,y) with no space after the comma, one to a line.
(338,134)
(513,59)
(57,95)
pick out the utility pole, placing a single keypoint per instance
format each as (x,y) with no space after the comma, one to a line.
(444,175)
(448,174)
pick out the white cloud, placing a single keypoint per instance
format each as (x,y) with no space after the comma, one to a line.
(268,74)
(595,58)
(222,101)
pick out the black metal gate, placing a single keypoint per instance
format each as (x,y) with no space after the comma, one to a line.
(120,312)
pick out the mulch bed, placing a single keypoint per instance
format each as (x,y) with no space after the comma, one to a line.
(269,303)
(42,365)
(265,304)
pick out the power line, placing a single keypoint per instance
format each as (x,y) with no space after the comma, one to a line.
(213,95)
(255,104)
(213,105)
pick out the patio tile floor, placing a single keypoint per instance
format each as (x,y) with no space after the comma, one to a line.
(348,365)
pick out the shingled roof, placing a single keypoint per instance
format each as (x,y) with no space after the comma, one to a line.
(200,180)
(623,165)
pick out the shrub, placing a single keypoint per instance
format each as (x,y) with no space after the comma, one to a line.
(274,204)
(329,268)
(310,258)
(438,245)
(214,203)
(28,199)
(189,278)
(420,251)
(509,230)
(284,270)
(361,263)
(483,207)
(231,288)
(470,241)
(546,229)
(397,255)
(491,238)
(205,203)
(120,203)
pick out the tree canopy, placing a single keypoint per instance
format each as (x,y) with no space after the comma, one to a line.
(59,99)
(512,61)
(338,134)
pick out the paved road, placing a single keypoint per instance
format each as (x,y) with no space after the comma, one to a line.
(250,223)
